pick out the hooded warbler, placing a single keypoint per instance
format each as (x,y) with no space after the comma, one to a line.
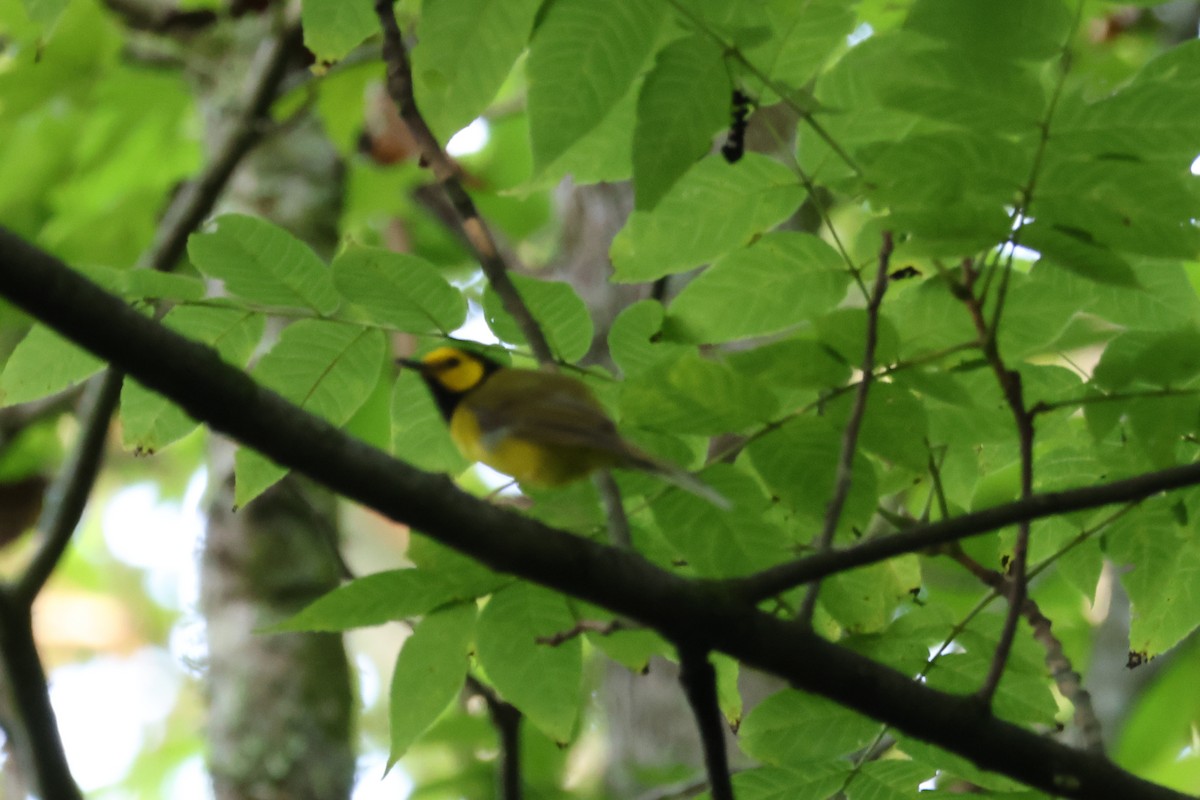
(542,428)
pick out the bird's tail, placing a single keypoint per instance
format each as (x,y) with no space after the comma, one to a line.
(678,477)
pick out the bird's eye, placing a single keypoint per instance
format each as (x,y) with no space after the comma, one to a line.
(451,363)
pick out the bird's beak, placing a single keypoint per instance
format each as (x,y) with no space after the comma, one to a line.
(411,363)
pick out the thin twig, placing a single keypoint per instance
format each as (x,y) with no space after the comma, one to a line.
(400,88)
(809,186)
(38,744)
(68,495)
(699,681)
(1042,407)
(1021,214)
(506,719)
(845,466)
(1014,396)
(783,577)
(604,628)
(1069,682)
(736,447)
(14,419)
(195,200)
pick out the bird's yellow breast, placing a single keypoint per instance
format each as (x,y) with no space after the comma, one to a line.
(533,463)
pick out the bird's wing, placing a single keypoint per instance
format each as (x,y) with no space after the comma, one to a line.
(562,413)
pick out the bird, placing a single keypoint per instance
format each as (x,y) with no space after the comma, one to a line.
(544,429)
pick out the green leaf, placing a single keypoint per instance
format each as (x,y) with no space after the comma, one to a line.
(804,36)
(557,309)
(1159,358)
(958,767)
(43,364)
(147,284)
(791,726)
(1163,577)
(792,363)
(333,28)
(948,85)
(326,368)
(695,395)
(777,282)
(542,680)
(602,155)
(1130,204)
(816,781)
(431,556)
(633,340)
(949,189)
(581,63)
(889,780)
(1149,118)
(465,49)
(721,206)
(150,422)
(420,434)
(429,674)
(798,462)
(632,648)
(388,596)
(684,100)
(263,263)
(723,544)
(729,697)
(1159,725)
(45,12)
(399,290)
(1161,428)
(1024,692)
(864,600)
(1020,29)
(895,425)
(844,332)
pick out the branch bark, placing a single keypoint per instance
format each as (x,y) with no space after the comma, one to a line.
(699,681)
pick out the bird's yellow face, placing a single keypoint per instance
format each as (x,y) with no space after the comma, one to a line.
(456,371)
(451,374)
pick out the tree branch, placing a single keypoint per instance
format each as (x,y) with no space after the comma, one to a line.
(699,681)
(1014,395)
(1069,682)
(780,578)
(845,465)
(39,747)
(69,493)
(703,613)
(506,719)
(474,229)
(196,198)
